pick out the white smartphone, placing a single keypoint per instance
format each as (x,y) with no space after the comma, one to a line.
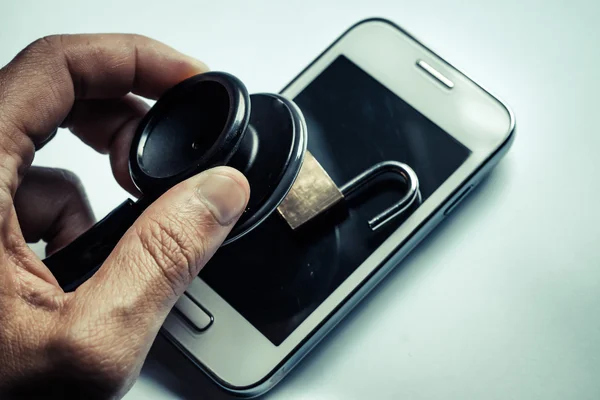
(376,94)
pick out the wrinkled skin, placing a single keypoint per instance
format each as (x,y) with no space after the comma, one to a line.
(91,343)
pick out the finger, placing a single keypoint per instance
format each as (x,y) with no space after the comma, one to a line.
(168,245)
(51,205)
(108,126)
(39,86)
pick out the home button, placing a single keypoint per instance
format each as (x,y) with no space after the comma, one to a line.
(195,315)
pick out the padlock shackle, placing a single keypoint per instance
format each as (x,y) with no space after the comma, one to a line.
(412,194)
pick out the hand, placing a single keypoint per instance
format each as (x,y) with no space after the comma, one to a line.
(91,343)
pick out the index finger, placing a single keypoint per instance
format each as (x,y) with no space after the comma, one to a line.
(39,86)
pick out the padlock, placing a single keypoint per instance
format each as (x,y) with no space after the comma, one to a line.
(314,192)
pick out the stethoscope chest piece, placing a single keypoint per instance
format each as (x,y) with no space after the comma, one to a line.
(210,120)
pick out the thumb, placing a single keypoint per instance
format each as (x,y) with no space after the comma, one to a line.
(168,245)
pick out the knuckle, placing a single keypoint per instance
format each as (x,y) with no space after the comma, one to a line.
(51,40)
(44,55)
(167,244)
(42,64)
(67,183)
(70,180)
(139,38)
(45,45)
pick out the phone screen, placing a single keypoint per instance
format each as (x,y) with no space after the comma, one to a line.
(275,277)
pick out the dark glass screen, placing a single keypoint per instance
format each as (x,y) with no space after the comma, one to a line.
(275,277)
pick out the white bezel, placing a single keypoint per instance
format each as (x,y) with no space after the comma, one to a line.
(236,353)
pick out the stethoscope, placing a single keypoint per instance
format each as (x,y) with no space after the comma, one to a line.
(205,121)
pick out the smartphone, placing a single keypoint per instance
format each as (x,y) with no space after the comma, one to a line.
(376,94)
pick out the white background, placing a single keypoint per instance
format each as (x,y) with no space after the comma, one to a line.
(503,301)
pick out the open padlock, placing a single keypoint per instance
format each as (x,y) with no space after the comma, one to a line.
(315,193)
(210,120)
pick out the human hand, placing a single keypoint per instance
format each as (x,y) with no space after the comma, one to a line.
(92,342)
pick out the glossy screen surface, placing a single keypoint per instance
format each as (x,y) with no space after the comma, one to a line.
(274,277)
